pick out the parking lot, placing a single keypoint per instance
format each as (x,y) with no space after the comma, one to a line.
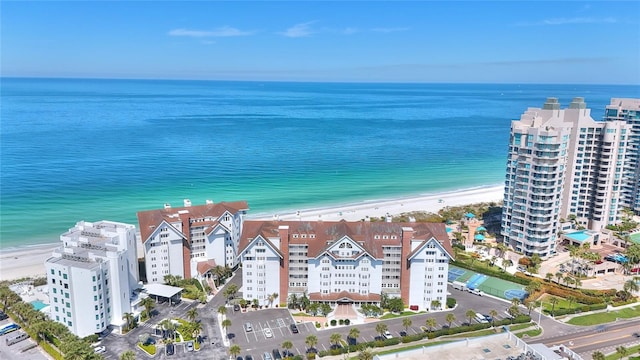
(25,349)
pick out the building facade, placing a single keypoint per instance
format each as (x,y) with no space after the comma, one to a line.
(628,110)
(93,276)
(345,262)
(191,240)
(561,165)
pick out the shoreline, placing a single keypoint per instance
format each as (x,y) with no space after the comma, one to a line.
(19,262)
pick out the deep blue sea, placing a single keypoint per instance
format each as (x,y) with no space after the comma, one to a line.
(86,149)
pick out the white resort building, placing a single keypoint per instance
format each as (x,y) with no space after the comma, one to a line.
(345,262)
(561,164)
(191,240)
(92,277)
(628,110)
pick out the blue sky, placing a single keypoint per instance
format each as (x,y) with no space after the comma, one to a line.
(418,41)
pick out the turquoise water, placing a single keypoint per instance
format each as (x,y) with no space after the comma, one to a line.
(87,149)
(635,238)
(38,305)
(578,235)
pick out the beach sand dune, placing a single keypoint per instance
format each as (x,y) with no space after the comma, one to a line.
(27,262)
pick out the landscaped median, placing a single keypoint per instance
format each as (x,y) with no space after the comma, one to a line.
(605,317)
(425,335)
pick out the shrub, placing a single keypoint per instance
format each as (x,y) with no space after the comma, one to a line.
(317,325)
(347,321)
(451,303)
(333,322)
(341,321)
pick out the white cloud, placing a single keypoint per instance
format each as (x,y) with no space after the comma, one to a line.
(349,30)
(298,30)
(568,21)
(389,30)
(224,31)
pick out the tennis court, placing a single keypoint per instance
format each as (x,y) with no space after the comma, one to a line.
(488,284)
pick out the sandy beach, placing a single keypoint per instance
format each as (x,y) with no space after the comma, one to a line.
(30,261)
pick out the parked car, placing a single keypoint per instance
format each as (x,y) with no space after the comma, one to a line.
(170,349)
(476,292)
(236,307)
(248,357)
(268,333)
(276,354)
(387,334)
(489,318)
(266,356)
(403,333)
(294,328)
(248,327)
(636,335)
(239,358)
(99,349)
(190,346)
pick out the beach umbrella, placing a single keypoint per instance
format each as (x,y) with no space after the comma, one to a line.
(482,229)
(479,237)
(470,215)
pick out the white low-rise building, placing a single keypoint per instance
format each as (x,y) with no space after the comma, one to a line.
(190,241)
(345,262)
(93,276)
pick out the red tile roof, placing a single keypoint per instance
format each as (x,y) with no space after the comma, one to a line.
(204,266)
(326,232)
(149,220)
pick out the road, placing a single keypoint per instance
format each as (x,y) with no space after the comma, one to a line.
(604,338)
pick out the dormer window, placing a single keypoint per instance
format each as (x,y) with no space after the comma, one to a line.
(345,245)
(304,236)
(394,237)
(385,237)
(376,237)
(295,236)
(313,236)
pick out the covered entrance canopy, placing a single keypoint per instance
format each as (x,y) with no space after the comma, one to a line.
(161,292)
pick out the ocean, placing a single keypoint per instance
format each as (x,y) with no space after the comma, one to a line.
(88,149)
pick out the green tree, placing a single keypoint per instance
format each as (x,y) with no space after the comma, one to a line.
(222,310)
(128,319)
(148,304)
(335,339)
(493,313)
(549,277)
(365,354)
(196,328)
(314,308)
(230,291)
(325,309)
(354,333)
(450,318)
(470,314)
(622,351)
(287,345)
(406,323)
(128,355)
(631,286)
(559,277)
(431,324)
(381,328)
(311,341)
(435,304)
(226,324)
(234,350)
(554,301)
(597,356)
(513,310)
(192,314)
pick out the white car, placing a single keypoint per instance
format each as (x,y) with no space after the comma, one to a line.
(99,349)
(268,333)
(387,334)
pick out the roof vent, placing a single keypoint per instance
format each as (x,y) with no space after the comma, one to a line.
(167,206)
(551,104)
(578,103)
(187,202)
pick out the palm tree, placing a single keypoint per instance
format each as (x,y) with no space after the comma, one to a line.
(354,333)
(192,314)
(515,301)
(381,328)
(470,314)
(128,355)
(148,304)
(335,339)
(622,351)
(506,263)
(406,323)
(255,303)
(128,318)
(577,282)
(431,323)
(435,304)
(222,310)
(553,301)
(169,279)
(631,286)
(365,354)
(597,356)
(450,318)
(530,306)
(570,300)
(226,324)
(230,291)
(493,313)
(549,276)
(196,327)
(287,345)
(271,298)
(234,350)
(559,276)
(311,341)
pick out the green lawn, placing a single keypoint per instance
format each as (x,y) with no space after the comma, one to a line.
(633,350)
(605,317)
(562,304)
(478,333)
(404,313)
(149,349)
(404,348)
(530,333)
(517,327)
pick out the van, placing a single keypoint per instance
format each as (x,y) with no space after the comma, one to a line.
(481,318)
(459,285)
(16,338)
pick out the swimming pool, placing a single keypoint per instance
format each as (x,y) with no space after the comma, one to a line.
(579,235)
(38,305)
